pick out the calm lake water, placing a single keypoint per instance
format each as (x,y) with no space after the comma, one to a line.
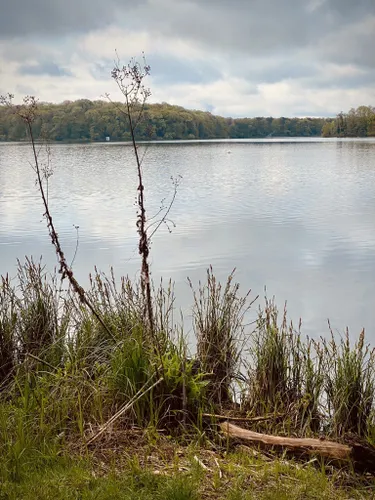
(295,216)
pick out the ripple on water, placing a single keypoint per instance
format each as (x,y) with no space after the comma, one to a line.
(297,216)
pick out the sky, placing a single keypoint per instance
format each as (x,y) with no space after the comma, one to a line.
(230,57)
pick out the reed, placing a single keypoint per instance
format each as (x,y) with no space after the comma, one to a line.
(219,314)
(349,385)
(285,372)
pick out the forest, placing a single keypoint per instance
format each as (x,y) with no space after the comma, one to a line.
(359,122)
(84,120)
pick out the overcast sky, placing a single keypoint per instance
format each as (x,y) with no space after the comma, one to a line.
(231,57)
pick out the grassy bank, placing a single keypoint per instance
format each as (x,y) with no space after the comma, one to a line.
(169,472)
(88,411)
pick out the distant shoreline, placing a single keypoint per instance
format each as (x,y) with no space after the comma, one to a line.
(274,139)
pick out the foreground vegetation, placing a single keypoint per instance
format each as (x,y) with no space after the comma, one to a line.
(84,120)
(78,418)
(173,473)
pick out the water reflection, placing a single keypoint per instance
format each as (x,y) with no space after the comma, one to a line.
(295,216)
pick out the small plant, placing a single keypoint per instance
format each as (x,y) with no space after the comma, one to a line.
(130,81)
(180,488)
(273,347)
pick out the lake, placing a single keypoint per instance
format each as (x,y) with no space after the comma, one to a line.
(295,216)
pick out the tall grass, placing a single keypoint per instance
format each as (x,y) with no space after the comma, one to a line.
(8,320)
(316,387)
(219,314)
(285,371)
(350,385)
(63,375)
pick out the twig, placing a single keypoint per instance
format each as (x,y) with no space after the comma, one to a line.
(123,410)
(36,358)
(164,218)
(218,466)
(76,249)
(201,463)
(184,392)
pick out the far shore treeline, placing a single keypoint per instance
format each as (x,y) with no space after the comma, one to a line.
(84,120)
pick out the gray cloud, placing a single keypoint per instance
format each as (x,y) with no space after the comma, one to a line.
(353,44)
(364,78)
(25,90)
(166,69)
(256,27)
(101,70)
(172,70)
(45,68)
(347,11)
(23,18)
(249,27)
(273,69)
(263,54)
(252,27)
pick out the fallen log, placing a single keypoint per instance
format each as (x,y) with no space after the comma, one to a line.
(362,456)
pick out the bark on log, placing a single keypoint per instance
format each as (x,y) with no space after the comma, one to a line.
(362,456)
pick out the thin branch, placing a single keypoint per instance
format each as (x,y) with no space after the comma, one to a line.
(28,114)
(77,245)
(129,80)
(142,392)
(164,218)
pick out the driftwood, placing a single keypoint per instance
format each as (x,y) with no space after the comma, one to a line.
(362,456)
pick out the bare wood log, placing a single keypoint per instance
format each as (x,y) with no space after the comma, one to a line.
(361,455)
(328,449)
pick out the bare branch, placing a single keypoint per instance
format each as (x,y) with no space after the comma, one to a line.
(129,80)
(164,218)
(28,113)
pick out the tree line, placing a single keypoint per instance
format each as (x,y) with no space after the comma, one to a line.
(85,120)
(359,122)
